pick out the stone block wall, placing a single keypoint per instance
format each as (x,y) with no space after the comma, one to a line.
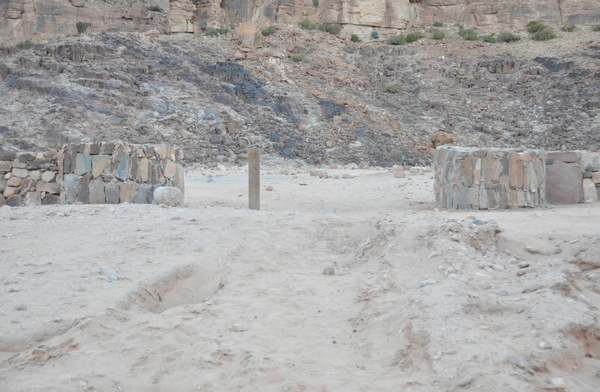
(114,173)
(572,177)
(479,179)
(96,173)
(30,179)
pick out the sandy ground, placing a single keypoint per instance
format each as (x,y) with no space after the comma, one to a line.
(211,296)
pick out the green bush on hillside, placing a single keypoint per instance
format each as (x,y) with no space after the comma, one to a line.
(82,27)
(414,37)
(438,24)
(391,88)
(374,35)
(596,27)
(396,40)
(534,26)
(543,35)
(354,38)
(468,34)
(507,36)
(490,38)
(437,34)
(569,27)
(330,27)
(269,31)
(307,25)
(25,44)
(299,57)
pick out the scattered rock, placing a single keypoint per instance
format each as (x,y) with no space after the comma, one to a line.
(329,271)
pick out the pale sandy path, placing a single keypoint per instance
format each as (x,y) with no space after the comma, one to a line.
(211,296)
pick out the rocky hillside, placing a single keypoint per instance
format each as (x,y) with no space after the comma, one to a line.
(345,102)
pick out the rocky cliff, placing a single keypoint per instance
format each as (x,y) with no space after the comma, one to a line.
(43,19)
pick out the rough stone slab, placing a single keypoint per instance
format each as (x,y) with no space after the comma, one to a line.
(71,185)
(178,180)
(143,195)
(50,199)
(2,201)
(33,199)
(122,172)
(99,163)
(112,193)
(39,164)
(83,164)
(14,181)
(590,193)
(563,183)
(142,174)
(161,151)
(48,176)
(107,148)
(5,167)
(50,187)
(26,186)
(26,157)
(21,173)
(3,184)
(596,177)
(169,168)
(35,175)
(14,201)
(94,148)
(133,167)
(9,191)
(128,192)
(97,191)
(83,193)
(563,156)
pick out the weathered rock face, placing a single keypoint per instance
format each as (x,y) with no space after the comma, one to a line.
(42,19)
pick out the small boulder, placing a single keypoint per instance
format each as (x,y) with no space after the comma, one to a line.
(168,195)
(440,138)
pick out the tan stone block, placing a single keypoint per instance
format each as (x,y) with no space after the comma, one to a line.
(161,150)
(399,174)
(35,175)
(477,172)
(17,172)
(48,176)
(169,169)
(14,181)
(33,199)
(9,191)
(99,163)
(143,172)
(512,170)
(5,166)
(596,177)
(520,178)
(128,191)
(590,193)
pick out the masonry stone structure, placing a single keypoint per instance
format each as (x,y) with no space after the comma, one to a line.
(96,173)
(479,179)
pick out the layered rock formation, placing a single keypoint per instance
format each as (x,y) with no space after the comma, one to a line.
(43,19)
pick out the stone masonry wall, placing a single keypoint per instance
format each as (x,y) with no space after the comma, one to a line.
(572,177)
(467,178)
(29,179)
(114,173)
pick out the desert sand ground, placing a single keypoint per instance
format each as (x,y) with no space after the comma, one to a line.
(212,296)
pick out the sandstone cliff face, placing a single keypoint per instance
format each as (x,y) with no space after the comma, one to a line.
(42,19)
